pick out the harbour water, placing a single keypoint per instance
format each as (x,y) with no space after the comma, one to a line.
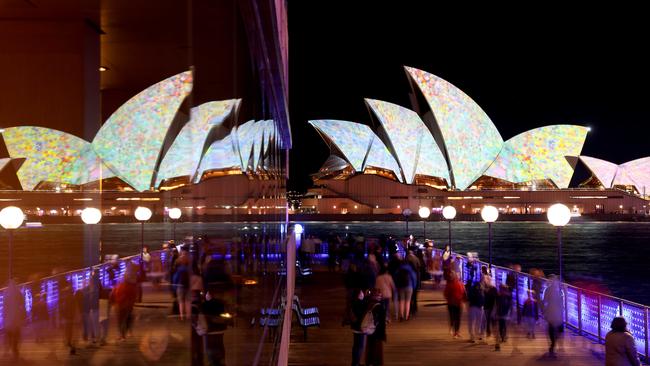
(612,255)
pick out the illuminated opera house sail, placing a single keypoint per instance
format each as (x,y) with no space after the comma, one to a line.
(459,148)
(139,148)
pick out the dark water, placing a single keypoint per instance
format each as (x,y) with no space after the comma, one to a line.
(613,254)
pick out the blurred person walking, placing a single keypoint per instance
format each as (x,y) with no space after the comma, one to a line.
(90,308)
(455,295)
(181,283)
(124,297)
(40,315)
(386,286)
(553,312)
(490,294)
(503,308)
(357,311)
(405,281)
(620,349)
(68,308)
(375,340)
(530,314)
(416,265)
(475,300)
(13,310)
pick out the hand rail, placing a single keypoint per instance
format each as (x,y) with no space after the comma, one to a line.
(588,312)
(79,279)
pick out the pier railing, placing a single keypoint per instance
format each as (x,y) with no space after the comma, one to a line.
(110,274)
(587,312)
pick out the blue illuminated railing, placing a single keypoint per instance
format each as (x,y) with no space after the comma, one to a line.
(109,275)
(589,313)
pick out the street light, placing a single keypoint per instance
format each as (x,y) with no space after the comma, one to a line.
(424,213)
(407,212)
(449,213)
(559,215)
(92,216)
(142,214)
(489,215)
(11,218)
(174,214)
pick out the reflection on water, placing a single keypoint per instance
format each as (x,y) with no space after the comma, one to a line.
(613,253)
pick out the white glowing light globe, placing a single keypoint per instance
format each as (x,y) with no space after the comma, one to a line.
(558,214)
(298,229)
(174,213)
(142,213)
(11,217)
(424,212)
(449,212)
(91,215)
(489,214)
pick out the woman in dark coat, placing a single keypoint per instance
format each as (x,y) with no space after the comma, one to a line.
(375,341)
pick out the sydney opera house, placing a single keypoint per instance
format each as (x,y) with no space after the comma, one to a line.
(147,153)
(447,151)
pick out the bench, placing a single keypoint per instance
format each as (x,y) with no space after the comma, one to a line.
(270,317)
(303,271)
(304,311)
(306,322)
(300,271)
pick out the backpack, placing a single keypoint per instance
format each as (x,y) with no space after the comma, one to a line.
(368,324)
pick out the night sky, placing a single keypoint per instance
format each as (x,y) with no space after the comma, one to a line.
(541,67)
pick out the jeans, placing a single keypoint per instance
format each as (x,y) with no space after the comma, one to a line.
(474,321)
(91,325)
(357,348)
(488,322)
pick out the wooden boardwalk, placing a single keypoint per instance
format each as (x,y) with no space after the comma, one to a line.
(159,339)
(425,339)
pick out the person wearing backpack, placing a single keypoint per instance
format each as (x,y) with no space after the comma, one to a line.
(375,333)
(357,313)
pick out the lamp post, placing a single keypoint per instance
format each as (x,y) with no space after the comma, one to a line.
(489,214)
(559,215)
(424,213)
(142,214)
(92,216)
(11,218)
(174,214)
(407,212)
(449,213)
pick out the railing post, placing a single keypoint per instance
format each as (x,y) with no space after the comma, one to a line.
(620,308)
(517,295)
(566,299)
(579,311)
(645,329)
(600,334)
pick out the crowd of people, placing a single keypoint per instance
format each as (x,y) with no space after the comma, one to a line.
(382,281)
